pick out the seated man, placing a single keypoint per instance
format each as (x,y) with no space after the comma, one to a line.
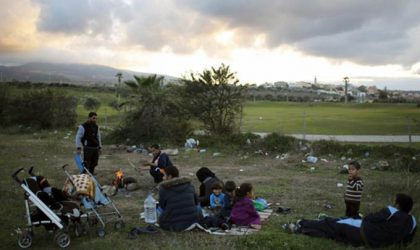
(391,225)
(159,163)
(178,201)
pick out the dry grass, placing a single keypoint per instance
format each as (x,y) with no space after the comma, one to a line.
(287,182)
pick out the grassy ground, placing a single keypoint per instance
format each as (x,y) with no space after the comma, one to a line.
(287,182)
(330,118)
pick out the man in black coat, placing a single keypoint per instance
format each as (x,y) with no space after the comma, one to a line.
(391,225)
(178,200)
(88,137)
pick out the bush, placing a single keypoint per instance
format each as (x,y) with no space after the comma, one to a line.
(279,143)
(41,109)
(92,103)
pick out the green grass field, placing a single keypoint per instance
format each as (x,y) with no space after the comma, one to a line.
(330,118)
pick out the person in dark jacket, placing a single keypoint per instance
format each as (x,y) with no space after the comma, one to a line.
(178,200)
(207,178)
(158,164)
(88,136)
(391,225)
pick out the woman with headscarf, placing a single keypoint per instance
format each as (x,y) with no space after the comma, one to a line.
(207,178)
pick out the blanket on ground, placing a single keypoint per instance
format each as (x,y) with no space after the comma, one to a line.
(235,230)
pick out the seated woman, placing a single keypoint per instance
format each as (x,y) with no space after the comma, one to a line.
(243,211)
(207,179)
(391,225)
(178,201)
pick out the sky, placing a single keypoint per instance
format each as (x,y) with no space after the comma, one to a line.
(373,42)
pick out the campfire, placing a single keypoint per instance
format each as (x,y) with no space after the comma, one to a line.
(119,179)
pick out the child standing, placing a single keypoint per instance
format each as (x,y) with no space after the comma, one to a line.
(217,197)
(354,189)
(243,211)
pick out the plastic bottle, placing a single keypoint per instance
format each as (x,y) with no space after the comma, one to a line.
(150,210)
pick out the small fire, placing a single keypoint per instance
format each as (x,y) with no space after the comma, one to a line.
(119,180)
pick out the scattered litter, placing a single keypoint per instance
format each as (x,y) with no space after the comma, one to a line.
(414,158)
(191,174)
(203,150)
(66,137)
(241,170)
(343,158)
(366,154)
(339,184)
(327,206)
(283,210)
(324,160)
(248,141)
(322,216)
(217,154)
(383,165)
(344,169)
(312,169)
(260,118)
(171,151)
(312,159)
(135,148)
(278,203)
(191,143)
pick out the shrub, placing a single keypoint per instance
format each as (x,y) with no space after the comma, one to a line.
(92,103)
(279,143)
(42,109)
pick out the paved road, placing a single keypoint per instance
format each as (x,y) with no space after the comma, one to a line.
(354,138)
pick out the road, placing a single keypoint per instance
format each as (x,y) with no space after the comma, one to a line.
(353,138)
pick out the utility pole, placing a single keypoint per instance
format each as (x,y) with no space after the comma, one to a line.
(346,81)
(304,125)
(409,130)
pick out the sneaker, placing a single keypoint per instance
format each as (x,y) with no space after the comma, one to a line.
(290,227)
(225,226)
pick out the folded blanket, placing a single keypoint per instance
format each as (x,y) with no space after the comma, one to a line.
(81,184)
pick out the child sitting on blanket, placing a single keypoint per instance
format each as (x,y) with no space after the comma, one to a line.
(243,211)
(221,219)
(217,197)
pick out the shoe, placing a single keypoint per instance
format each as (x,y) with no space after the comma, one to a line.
(290,227)
(283,210)
(225,226)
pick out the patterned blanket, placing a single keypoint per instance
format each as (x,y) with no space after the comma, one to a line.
(80,185)
(235,230)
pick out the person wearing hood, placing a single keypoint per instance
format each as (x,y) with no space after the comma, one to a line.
(178,201)
(207,178)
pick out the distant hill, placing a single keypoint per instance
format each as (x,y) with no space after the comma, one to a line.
(83,74)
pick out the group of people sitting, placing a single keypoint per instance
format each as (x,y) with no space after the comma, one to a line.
(232,204)
(182,207)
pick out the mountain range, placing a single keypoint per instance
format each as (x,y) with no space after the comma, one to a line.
(83,74)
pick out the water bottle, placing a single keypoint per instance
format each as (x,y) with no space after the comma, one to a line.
(150,210)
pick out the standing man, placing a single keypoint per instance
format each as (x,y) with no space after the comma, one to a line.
(89,137)
(159,163)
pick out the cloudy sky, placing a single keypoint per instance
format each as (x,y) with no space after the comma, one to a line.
(372,42)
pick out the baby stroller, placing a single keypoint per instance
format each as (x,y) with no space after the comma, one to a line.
(45,206)
(99,206)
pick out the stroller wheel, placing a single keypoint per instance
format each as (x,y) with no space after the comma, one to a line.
(100,232)
(119,225)
(62,239)
(25,239)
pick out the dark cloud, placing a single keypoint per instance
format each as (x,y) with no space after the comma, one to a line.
(367,32)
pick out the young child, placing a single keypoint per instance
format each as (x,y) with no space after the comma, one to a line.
(243,211)
(354,189)
(217,197)
(229,187)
